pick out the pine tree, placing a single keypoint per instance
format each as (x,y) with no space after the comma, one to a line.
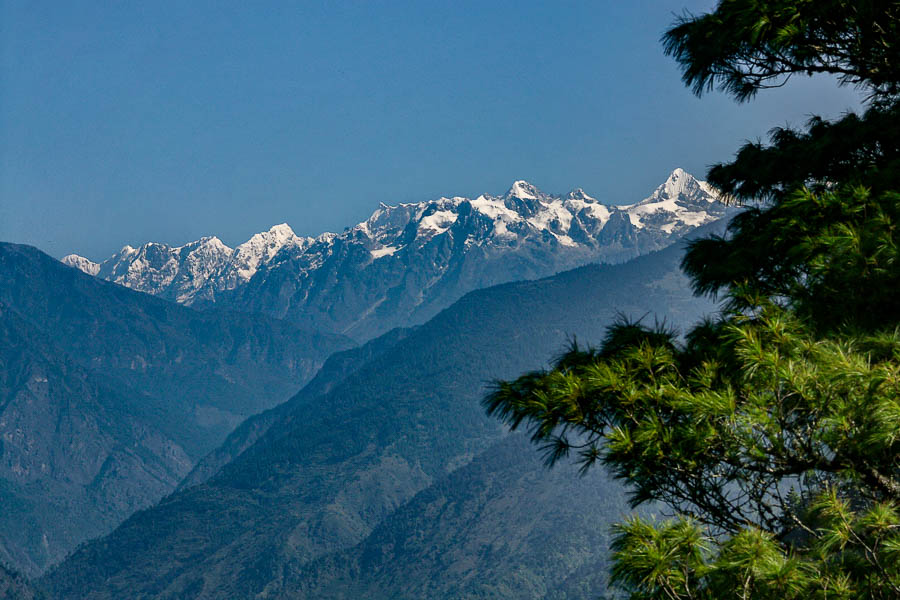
(771,432)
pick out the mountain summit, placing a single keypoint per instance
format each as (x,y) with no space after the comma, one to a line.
(406,262)
(196,270)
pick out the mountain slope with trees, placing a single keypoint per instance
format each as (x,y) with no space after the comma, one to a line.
(337,368)
(329,471)
(79,452)
(108,397)
(15,587)
(501,526)
(772,432)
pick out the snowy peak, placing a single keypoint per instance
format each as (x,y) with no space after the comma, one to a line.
(523,191)
(679,203)
(579,194)
(277,237)
(677,181)
(260,249)
(205,246)
(81,263)
(156,268)
(428,239)
(198,269)
(682,186)
(575,220)
(282,231)
(438,216)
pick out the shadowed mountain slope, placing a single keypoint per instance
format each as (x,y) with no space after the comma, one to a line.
(108,397)
(338,367)
(502,526)
(14,586)
(330,470)
(78,452)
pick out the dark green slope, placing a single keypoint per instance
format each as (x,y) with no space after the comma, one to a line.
(109,396)
(323,476)
(77,455)
(217,368)
(14,586)
(502,526)
(338,367)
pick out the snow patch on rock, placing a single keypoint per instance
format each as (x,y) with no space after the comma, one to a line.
(525,220)
(81,263)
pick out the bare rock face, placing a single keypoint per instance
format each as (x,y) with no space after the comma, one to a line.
(405,263)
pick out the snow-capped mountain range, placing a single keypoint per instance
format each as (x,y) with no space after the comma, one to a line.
(196,270)
(407,262)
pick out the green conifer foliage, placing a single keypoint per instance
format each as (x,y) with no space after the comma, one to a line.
(770,432)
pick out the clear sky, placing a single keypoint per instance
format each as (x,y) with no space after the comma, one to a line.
(124,122)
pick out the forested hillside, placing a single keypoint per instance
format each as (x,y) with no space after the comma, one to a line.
(501,526)
(15,587)
(328,471)
(108,397)
(771,431)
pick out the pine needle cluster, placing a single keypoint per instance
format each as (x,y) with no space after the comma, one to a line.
(770,432)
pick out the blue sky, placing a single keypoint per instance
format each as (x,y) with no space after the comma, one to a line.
(134,121)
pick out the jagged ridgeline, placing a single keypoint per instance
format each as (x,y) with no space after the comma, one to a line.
(407,262)
(386,479)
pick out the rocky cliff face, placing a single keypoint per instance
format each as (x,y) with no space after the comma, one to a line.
(407,262)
